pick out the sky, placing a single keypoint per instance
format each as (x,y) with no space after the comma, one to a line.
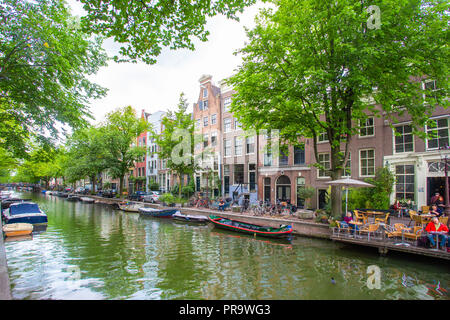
(158,87)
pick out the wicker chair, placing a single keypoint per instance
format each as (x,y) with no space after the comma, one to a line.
(383,220)
(416,234)
(443,220)
(369,229)
(396,230)
(425,209)
(359,217)
(341,228)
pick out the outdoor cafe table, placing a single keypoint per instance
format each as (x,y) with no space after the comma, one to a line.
(357,224)
(437,233)
(373,213)
(425,218)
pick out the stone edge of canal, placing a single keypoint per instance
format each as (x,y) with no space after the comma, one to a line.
(5,289)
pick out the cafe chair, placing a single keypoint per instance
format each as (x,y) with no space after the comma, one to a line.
(396,230)
(415,234)
(359,217)
(425,209)
(443,220)
(369,229)
(383,220)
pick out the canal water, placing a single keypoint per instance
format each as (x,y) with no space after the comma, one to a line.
(92,251)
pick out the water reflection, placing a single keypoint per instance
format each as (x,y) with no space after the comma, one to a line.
(91,251)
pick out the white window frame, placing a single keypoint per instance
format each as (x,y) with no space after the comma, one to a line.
(213,118)
(205,121)
(374,163)
(366,127)
(324,136)
(238,147)
(251,143)
(427,129)
(329,167)
(225,122)
(226,104)
(225,147)
(394,151)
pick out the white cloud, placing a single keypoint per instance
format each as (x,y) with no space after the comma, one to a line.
(157,87)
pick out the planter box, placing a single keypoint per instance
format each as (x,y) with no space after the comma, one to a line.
(306,215)
(236,209)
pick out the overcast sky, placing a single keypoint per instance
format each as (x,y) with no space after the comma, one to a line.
(157,87)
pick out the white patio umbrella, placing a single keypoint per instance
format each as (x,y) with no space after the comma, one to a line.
(349,183)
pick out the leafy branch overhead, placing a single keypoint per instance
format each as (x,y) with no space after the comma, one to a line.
(144,27)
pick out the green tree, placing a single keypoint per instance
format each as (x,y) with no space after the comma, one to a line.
(119,132)
(315,66)
(144,27)
(86,157)
(45,61)
(176,142)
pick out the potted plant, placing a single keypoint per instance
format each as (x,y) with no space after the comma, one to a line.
(167,199)
(305,193)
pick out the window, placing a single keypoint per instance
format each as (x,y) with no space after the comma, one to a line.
(323,137)
(267,158)
(404,186)
(227,147)
(367,129)
(440,134)
(237,146)
(205,93)
(213,119)
(205,121)
(250,142)
(205,105)
(197,123)
(367,162)
(238,173)
(299,155)
(205,140)
(324,160)
(252,176)
(283,159)
(347,170)
(237,124)
(226,104)
(213,139)
(226,170)
(432,87)
(227,125)
(403,139)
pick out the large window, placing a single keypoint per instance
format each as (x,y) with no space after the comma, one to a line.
(227,125)
(299,155)
(237,146)
(367,162)
(439,132)
(226,104)
(267,157)
(213,139)
(404,187)
(250,144)
(322,137)
(227,147)
(205,121)
(367,128)
(324,160)
(403,139)
(347,170)
(252,176)
(213,119)
(238,171)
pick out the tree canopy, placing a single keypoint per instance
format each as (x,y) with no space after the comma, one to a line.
(315,66)
(45,59)
(143,28)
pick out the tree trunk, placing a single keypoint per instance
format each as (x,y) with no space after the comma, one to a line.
(336,191)
(120,187)
(179,185)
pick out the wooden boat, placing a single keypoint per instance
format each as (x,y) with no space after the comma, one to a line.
(130,206)
(159,213)
(17,229)
(87,199)
(248,228)
(190,218)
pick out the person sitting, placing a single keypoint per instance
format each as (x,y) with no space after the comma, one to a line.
(435,225)
(221,205)
(435,211)
(348,219)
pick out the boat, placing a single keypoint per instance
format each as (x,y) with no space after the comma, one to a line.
(130,206)
(73,197)
(87,199)
(248,228)
(190,218)
(17,229)
(159,213)
(26,212)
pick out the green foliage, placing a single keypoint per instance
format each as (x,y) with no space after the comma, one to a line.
(167,198)
(306,192)
(154,185)
(373,198)
(144,27)
(44,63)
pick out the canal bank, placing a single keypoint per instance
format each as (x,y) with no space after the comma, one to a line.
(5,289)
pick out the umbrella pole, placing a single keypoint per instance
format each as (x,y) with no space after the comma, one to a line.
(346,199)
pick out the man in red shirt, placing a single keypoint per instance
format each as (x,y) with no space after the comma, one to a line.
(435,225)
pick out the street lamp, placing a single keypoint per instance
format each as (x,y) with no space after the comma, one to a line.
(444,152)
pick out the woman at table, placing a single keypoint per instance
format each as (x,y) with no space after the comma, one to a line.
(433,226)
(348,219)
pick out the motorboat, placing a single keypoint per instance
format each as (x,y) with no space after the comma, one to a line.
(130,206)
(190,218)
(17,229)
(159,213)
(25,212)
(87,199)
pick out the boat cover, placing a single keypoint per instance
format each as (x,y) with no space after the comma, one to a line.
(21,208)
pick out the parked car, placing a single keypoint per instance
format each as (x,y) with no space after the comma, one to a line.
(109,193)
(152,197)
(137,196)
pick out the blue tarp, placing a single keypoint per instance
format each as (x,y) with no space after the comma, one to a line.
(21,208)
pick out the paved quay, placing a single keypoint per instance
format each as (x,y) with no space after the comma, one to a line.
(5,289)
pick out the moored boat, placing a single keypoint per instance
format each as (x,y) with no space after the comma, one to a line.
(73,197)
(190,218)
(25,212)
(159,213)
(130,206)
(87,199)
(248,228)
(17,229)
